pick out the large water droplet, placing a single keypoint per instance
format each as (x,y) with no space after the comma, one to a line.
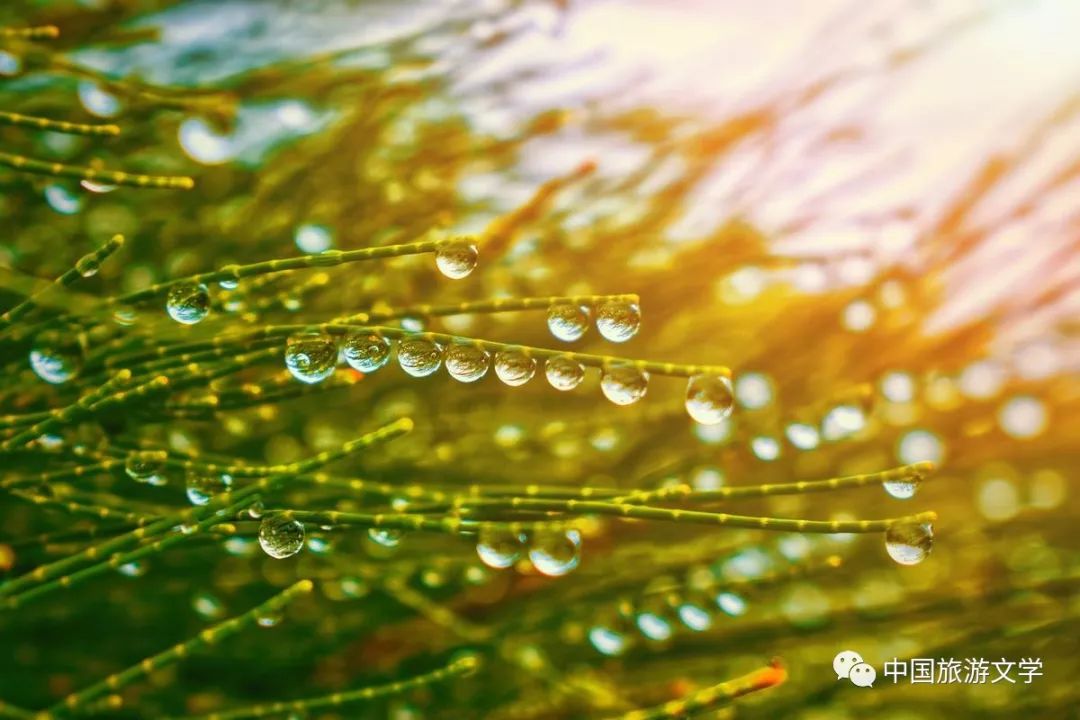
(457,259)
(280,536)
(366,353)
(311,358)
(500,549)
(908,543)
(145,466)
(624,384)
(419,357)
(203,486)
(902,488)
(568,322)
(563,372)
(709,398)
(466,363)
(555,553)
(385,537)
(618,321)
(55,357)
(188,303)
(514,367)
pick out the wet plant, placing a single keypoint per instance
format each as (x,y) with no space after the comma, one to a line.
(315,418)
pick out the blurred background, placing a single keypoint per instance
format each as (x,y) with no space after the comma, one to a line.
(868,211)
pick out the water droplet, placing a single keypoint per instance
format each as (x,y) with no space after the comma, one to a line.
(145,466)
(982,380)
(419,357)
(607,641)
(49,441)
(555,553)
(203,143)
(366,353)
(754,390)
(568,322)
(312,239)
(233,281)
(898,387)
(55,357)
(135,568)
(88,266)
(97,100)
(202,486)
(1023,417)
(280,536)
(97,187)
(319,544)
(859,316)
(256,509)
(207,606)
(843,421)
(624,384)
(731,603)
(654,626)
(918,445)
(694,617)
(9,64)
(385,537)
(509,436)
(563,372)
(998,499)
(618,321)
(269,618)
(311,358)
(500,549)
(240,546)
(765,448)
(466,363)
(63,200)
(709,399)
(514,367)
(188,303)
(457,259)
(908,543)
(902,488)
(802,436)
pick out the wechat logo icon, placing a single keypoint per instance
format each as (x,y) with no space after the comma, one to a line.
(849,665)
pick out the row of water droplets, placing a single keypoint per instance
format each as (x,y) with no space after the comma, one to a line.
(313,357)
(189,303)
(655,624)
(551,552)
